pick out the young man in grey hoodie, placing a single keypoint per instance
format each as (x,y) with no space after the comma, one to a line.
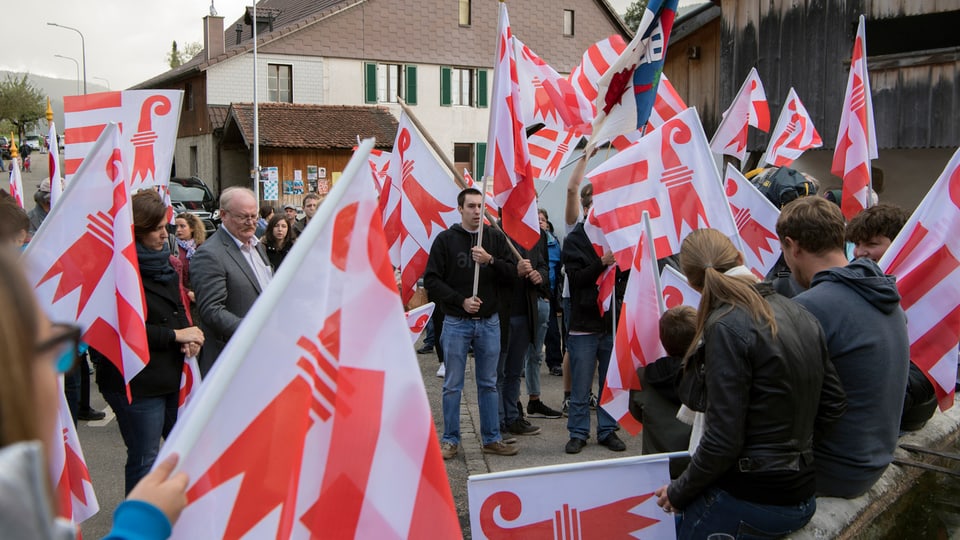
(866,330)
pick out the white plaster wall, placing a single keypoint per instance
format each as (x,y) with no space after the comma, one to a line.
(206,157)
(230,81)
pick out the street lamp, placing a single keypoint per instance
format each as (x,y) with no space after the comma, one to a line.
(104,80)
(74,60)
(83,51)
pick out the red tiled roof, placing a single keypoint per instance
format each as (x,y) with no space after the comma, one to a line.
(218,115)
(293,125)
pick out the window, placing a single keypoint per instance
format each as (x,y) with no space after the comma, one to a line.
(280,83)
(188,96)
(384,82)
(568,22)
(911,34)
(465,87)
(194,162)
(464,12)
(463,157)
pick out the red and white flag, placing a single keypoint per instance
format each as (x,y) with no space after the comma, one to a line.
(389,205)
(508,160)
(667,104)
(676,290)
(53,164)
(749,108)
(148,121)
(607,280)
(332,438)
(76,500)
(637,342)
(756,219)
(428,202)
(16,180)
(189,383)
(83,262)
(857,138)
(379,165)
(547,97)
(925,257)
(793,135)
(551,502)
(671,174)
(594,64)
(418,318)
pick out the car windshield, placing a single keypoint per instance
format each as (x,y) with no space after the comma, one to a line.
(190,197)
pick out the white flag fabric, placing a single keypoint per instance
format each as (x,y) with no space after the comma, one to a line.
(428,202)
(637,342)
(676,290)
(83,262)
(607,280)
(53,164)
(857,138)
(317,425)
(551,502)
(76,500)
(190,379)
(749,108)
(670,173)
(418,318)
(756,219)
(793,135)
(16,181)
(925,257)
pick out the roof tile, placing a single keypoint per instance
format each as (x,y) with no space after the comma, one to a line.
(293,125)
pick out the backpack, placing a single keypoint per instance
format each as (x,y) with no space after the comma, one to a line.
(782,185)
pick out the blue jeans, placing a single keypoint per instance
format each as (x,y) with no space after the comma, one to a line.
(456,337)
(535,349)
(716,511)
(142,424)
(510,368)
(587,354)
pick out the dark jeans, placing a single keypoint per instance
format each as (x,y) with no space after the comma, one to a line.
(554,340)
(716,511)
(510,367)
(142,424)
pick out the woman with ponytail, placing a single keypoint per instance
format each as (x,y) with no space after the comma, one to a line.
(768,386)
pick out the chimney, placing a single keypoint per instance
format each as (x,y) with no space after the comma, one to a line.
(213,45)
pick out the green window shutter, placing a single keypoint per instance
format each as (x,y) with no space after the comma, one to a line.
(480,156)
(481,88)
(411,94)
(445,97)
(370,82)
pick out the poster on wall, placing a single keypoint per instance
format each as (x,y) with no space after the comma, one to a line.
(288,187)
(271,190)
(311,173)
(273,173)
(323,187)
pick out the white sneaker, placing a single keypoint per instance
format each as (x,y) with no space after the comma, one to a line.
(442,371)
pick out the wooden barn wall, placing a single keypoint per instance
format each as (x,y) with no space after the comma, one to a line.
(288,160)
(697,80)
(807,44)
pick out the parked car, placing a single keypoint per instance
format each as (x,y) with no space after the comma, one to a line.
(191,194)
(33,141)
(5,148)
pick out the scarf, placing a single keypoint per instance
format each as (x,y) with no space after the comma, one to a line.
(155,264)
(190,246)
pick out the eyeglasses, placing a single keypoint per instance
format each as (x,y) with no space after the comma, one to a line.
(248,218)
(66,345)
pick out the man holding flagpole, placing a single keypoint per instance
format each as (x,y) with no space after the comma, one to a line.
(470,319)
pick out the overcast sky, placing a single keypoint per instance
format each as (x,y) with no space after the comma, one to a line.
(126,40)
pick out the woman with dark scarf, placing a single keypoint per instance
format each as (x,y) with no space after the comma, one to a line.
(278,239)
(152,411)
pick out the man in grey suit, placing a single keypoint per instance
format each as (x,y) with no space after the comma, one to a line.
(228,272)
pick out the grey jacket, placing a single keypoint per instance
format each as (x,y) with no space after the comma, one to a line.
(24,508)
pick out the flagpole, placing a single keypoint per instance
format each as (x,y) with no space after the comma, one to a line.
(483,207)
(225,369)
(457,176)
(256,113)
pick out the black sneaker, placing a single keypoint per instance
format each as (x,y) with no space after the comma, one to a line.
(426,349)
(522,427)
(614,443)
(556,371)
(91,414)
(574,445)
(537,409)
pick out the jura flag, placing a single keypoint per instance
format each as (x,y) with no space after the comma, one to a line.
(793,135)
(418,318)
(53,164)
(671,174)
(667,104)
(16,180)
(148,121)
(857,138)
(925,257)
(676,290)
(332,437)
(756,219)
(607,280)
(749,108)
(547,503)
(189,383)
(76,500)
(83,263)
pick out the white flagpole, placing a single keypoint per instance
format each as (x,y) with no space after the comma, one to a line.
(256,113)
(483,206)
(220,378)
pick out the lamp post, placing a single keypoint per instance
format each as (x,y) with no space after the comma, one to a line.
(83,51)
(74,60)
(104,80)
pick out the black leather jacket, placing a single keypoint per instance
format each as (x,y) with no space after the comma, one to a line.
(765,398)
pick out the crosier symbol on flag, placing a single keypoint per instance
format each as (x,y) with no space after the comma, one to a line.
(857,138)
(793,135)
(756,219)
(85,263)
(610,520)
(676,290)
(418,318)
(305,446)
(749,108)
(925,257)
(428,208)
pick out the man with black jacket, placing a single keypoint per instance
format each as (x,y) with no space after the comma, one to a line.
(470,320)
(591,339)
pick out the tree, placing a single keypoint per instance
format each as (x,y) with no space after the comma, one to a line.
(177,57)
(634,14)
(173,57)
(21,103)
